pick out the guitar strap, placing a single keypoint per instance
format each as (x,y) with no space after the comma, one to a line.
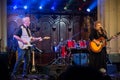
(28,32)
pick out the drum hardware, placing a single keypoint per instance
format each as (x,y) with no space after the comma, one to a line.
(61,55)
(60,48)
(78,47)
(59,60)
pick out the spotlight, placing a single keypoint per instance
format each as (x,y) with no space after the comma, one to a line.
(65,8)
(88,10)
(40,7)
(79,9)
(25,7)
(84,0)
(15,7)
(53,8)
(92,6)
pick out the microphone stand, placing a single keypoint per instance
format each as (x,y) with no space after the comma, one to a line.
(33,69)
(33,62)
(37,49)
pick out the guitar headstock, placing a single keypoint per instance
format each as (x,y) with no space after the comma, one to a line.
(46,37)
(118,33)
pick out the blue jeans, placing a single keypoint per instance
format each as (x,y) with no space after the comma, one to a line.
(23,54)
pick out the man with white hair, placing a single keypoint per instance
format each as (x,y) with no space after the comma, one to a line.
(24,37)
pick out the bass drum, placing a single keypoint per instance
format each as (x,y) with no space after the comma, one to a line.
(80,59)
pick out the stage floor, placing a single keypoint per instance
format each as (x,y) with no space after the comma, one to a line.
(48,77)
(52,72)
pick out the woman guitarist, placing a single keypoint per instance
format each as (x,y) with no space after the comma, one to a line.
(98,53)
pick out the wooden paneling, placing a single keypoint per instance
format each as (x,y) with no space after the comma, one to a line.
(59,28)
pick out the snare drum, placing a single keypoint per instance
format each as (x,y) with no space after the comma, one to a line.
(71,43)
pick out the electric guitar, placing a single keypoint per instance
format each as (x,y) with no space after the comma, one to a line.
(93,46)
(29,41)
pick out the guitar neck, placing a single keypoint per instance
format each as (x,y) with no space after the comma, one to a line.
(113,36)
(46,37)
(109,39)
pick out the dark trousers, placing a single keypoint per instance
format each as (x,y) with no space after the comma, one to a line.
(98,60)
(23,55)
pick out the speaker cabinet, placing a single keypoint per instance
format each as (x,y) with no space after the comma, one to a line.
(111,68)
(4,72)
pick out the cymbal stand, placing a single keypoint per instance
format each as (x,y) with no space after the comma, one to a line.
(59,59)
(69,56)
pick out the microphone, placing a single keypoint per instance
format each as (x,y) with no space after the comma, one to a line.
(101,29)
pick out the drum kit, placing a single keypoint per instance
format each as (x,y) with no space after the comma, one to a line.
(64,50)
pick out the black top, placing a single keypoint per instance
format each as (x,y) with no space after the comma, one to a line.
(96,35)
(19,31)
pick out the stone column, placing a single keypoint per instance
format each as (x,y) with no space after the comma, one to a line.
(3,24)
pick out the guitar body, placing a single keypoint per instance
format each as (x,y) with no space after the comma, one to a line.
(97,48)
(25,46)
